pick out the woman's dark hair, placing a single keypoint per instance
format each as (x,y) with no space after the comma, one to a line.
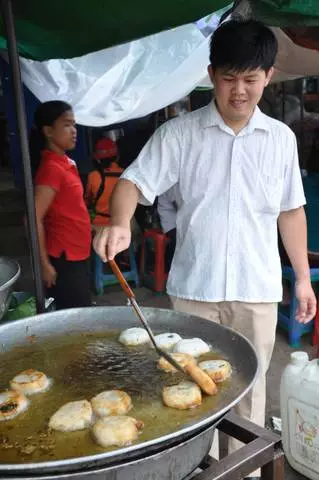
(240,45)
(45,115)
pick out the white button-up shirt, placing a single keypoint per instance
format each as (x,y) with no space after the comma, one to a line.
(232,188)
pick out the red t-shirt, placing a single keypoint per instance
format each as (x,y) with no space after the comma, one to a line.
(67,222)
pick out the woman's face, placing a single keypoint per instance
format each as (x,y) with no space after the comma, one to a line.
(62,134)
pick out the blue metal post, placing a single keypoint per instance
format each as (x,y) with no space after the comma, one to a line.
(8,18)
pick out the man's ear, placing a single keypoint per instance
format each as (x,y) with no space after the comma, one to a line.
(269,75)
(211,73)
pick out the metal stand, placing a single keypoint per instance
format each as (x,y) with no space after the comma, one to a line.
(8,18)
(262,450)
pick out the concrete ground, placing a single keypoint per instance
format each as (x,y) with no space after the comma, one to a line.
(13,243)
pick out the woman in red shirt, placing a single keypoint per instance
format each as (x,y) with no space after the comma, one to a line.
(62,218)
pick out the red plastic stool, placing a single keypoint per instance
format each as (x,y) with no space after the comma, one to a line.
(152,271)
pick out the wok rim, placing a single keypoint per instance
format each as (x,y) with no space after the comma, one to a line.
(15,277)
(112,457)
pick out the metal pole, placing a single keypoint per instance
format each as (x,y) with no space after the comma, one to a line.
(302,125)
(283,105)
(8,19)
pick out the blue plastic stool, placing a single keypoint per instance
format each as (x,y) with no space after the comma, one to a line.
(102,279)
(286,315)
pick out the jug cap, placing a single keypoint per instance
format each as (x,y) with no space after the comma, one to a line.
(299,358)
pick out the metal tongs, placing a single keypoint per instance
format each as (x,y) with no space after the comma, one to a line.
(130,295)
(191,370)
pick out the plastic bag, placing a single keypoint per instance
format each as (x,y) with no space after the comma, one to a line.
(21,307)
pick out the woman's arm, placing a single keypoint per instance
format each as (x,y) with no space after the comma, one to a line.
(43,198)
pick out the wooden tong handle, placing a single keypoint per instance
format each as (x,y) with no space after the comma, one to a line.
(119,275)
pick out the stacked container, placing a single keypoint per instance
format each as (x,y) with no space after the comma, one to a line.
(299,401)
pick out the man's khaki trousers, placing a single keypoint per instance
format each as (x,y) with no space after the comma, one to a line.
(257,322)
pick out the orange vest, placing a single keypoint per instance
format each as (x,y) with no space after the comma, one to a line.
(101,207)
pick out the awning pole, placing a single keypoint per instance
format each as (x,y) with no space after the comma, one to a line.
(7,14)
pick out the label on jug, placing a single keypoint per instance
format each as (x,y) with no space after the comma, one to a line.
(304,433)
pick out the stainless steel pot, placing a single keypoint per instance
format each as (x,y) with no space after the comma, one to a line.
(174,463)
(231,345)
(9,274)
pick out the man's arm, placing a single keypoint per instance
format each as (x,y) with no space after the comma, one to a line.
(293,230)
(114,239)
(155,171)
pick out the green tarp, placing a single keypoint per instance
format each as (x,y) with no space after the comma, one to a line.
(283,13)
(67,28)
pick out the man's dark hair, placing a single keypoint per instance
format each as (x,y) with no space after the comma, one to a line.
(240,45)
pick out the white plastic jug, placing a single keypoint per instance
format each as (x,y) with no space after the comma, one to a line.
(299,403)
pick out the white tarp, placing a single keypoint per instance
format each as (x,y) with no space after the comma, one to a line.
(292,62)
(123,82)
(132,80)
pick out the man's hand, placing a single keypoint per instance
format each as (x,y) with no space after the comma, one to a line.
(307,301)
(110,241)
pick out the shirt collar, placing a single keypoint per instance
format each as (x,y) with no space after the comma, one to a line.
(62,159)
(212,118)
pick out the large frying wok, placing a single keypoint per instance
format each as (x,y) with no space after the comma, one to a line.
(231,346)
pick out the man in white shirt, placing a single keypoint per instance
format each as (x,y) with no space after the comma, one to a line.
(238,176)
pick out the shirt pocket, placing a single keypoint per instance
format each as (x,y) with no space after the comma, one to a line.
(268,194)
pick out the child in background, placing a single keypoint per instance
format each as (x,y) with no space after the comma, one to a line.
(102,181)
(63,221)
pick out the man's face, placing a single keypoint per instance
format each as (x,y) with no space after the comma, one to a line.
(237,94)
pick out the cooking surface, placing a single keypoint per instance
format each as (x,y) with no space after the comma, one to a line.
(86,359)
(82,365)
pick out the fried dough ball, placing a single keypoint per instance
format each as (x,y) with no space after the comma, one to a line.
(12,403)
(111,402)
(167,341)
(181,358)
(134,336)
(30,382)
(218,370)
(182,396)
(116,431)
(192,346)
(72,416)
